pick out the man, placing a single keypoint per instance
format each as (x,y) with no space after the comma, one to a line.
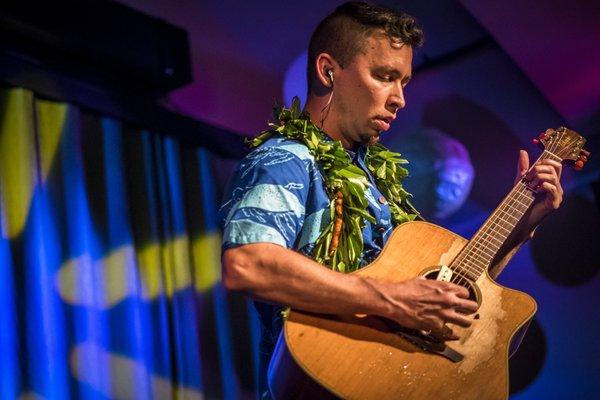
(359,64)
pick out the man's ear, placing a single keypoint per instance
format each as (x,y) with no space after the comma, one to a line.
(326,67)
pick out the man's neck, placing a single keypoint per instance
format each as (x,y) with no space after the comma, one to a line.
(320,115)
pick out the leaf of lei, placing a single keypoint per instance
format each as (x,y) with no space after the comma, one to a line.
(341,175)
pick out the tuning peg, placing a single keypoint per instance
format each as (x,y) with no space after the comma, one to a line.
(543,135)
(585,153)
(583,158)
(538,142)
(579,165)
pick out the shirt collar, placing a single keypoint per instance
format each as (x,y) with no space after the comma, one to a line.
(359,154)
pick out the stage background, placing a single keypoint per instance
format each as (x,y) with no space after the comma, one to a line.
(109,255)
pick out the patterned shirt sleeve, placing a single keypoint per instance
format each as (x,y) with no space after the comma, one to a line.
(267,199)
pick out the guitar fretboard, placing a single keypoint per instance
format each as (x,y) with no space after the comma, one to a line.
(478,254)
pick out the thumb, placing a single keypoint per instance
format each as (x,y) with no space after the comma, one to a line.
(522,164)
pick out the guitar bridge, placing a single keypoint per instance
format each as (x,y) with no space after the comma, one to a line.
(425,342)
(432,345)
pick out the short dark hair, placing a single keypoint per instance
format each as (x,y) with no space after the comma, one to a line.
(343,33)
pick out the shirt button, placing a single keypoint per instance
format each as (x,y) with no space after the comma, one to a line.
(382,199)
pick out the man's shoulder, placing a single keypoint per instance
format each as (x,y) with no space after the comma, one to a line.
(277,161)
(278,146)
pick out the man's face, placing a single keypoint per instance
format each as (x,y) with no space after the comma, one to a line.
(369,91)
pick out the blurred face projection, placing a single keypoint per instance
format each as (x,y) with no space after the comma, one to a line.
(441,171)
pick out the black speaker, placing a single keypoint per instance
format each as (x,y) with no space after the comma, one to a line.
(97,41)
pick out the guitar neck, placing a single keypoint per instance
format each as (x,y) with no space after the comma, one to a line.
(483,247)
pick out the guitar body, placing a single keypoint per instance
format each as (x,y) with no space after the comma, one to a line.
(365,357)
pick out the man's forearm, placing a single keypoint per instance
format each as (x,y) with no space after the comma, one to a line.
(275,274)
(272,273)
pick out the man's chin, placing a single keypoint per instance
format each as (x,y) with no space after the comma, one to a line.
(372,140)
(368,139)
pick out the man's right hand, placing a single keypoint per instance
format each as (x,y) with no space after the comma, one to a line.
(269,272)
(427,305)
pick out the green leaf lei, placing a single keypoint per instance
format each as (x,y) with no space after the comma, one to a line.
(341,175)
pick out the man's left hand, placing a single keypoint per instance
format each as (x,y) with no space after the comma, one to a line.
(544,178)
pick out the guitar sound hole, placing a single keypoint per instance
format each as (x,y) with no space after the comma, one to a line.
(474,293)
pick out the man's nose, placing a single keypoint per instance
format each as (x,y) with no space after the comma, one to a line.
(396,100)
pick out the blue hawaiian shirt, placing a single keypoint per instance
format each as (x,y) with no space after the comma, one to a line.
(277,195)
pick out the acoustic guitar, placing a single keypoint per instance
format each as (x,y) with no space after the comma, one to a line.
(369,357)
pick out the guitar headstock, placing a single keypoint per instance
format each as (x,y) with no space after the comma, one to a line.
(565,144)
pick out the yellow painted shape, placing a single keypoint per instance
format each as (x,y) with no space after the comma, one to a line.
(98,283)
(151,277)
(168,268)
(206,253)
(17,159)
(150,272)
(51,119)
(174,273)
(175,256)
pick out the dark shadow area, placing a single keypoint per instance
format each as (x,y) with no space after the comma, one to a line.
(91,137)
(527,363)
(209,345)
(241,341)
(566,249)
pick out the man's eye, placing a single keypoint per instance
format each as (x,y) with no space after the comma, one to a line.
(385,78)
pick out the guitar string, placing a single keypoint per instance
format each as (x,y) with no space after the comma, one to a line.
(484,235)
(513,203)
(468,261)
(477,247)
(487,233)
(510,204)
(494,222)
(483,244)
